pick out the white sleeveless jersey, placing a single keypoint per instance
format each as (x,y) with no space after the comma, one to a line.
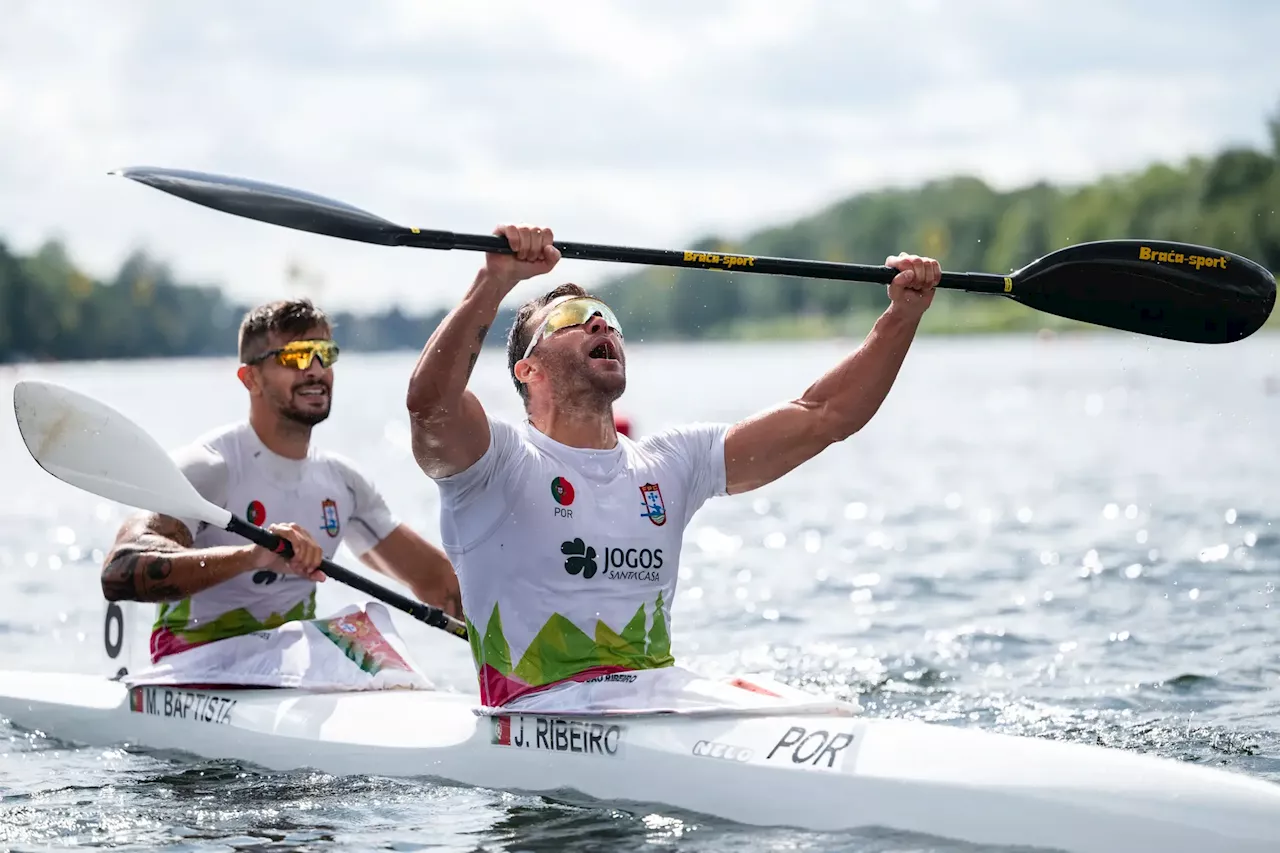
(567,558)
(322,493)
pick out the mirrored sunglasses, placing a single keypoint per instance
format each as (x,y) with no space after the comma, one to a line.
(298,354)
(573,312)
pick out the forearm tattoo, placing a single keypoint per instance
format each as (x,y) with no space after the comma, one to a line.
(475,356)
(139,568)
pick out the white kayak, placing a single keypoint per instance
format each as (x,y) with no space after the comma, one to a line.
(816,771)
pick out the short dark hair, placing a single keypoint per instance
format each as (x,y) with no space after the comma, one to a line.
(284,317)
(518,337)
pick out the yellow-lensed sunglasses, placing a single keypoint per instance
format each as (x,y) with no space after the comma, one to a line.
(298,354)
(573,312)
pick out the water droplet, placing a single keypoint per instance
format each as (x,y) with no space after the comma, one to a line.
(812,541)
(1251,539)
(953,500)
(744,576)
(1214,554)
(717,543)
(1131,511)
(770,614)
(1230,516)
(1194,594)
(877,539)
(775,540)
(1111,511)
(1133,571)
(868,579)
(1024,514)
(1142,537)
(859,596)
(855,511)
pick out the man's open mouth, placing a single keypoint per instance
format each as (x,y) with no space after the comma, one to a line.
(605,349)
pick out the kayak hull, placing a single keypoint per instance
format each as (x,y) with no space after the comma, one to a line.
(816,771)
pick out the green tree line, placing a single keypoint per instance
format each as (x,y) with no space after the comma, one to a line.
(50,309)
(1230,201)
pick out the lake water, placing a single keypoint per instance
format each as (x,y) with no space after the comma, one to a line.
(1073,538)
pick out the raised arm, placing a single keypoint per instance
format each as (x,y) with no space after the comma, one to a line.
(446,422)
(762,448)
(152,559)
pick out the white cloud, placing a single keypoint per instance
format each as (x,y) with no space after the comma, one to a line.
(635,123)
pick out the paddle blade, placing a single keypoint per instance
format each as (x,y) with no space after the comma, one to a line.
(277,205)
(1179,291)
(88,444)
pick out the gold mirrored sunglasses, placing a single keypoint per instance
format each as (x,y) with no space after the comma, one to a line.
(573,312)
(298,354)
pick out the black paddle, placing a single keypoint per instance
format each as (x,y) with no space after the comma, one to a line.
(1165,289)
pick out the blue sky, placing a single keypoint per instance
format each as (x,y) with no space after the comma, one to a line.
(645,123)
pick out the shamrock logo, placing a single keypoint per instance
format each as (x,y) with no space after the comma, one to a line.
(582,558)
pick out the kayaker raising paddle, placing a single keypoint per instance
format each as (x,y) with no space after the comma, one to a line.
(231,613)
(566,536)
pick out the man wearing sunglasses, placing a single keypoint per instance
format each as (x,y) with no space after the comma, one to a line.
(231,613)
(566,536)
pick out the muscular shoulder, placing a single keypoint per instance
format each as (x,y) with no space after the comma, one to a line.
(343,467)
(686,442)
(694,454)
(359,485)
(206,462)
(219,447)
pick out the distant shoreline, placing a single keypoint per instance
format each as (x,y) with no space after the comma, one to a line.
(784,332)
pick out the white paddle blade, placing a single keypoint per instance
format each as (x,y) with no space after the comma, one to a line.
(90,445)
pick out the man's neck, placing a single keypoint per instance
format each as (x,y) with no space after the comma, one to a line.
(282,437)
(589,430)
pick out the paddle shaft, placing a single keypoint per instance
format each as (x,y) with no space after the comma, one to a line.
(971,282)
(1166,289)
(432,616)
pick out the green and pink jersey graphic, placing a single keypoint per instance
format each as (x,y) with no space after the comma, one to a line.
(562,651)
